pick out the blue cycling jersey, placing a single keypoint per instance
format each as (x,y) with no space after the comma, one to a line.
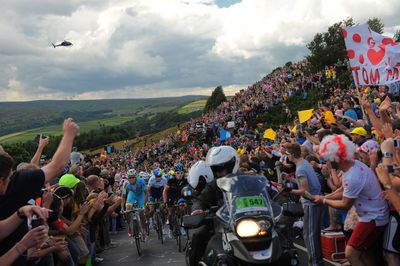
(154,184)
(138,188)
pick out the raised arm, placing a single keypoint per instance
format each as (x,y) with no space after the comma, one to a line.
(42,143)
(62,155)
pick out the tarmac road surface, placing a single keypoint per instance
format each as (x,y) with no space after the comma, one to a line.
(156,254)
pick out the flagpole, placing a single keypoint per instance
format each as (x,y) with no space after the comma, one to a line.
(359,100)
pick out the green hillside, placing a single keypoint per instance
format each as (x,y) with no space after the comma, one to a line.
(192,107)
(22,121)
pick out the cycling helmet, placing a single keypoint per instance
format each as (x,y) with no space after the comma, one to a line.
(157,172)
(131,173)
(199,175)
(180,201)
(223,157)
(179,167)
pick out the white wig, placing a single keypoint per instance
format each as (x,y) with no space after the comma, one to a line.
(337,148)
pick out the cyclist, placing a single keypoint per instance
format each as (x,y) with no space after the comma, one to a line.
(172,193)
(145,176)
(155,189)
(136,194)
(223,160)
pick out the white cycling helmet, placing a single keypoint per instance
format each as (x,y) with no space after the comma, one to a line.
(223,157)
(143,174)
(131,173)
(200,174)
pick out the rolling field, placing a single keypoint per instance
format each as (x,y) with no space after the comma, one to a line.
(139,142)
(56,129)
(192,107)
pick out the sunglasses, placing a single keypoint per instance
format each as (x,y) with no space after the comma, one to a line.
(179,173)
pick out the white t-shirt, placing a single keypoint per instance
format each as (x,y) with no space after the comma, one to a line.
(361,184)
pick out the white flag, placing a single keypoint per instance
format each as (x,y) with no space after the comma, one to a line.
(374,58)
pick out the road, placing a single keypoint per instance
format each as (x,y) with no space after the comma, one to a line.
(156,254)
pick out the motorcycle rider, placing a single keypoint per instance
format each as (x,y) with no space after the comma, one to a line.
(223,160)
(200,174)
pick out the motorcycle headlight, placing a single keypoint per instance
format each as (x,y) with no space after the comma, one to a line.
(247,228)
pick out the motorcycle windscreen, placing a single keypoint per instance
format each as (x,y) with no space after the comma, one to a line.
(245,194)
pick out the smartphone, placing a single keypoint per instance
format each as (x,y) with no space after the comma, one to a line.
(391,169)
(396,143)
(36,222)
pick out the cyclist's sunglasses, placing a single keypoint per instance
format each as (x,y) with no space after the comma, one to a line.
(179,172)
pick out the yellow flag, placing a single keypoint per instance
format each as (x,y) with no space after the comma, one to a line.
(329,117)
(269,134)
(294,129)
(305,115)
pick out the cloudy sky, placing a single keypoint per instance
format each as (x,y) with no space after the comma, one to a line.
(153,48)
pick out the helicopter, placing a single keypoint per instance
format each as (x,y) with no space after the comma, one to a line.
(63,43)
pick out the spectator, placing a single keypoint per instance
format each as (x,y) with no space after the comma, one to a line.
(76,157)
(308,183)
(24,186)
(361,189)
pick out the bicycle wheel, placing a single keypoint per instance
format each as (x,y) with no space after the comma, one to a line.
(177,231)
(159,228)
(136,233)
(148,228)
(180,233)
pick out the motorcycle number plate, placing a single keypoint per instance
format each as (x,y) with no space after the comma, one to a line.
(250,202)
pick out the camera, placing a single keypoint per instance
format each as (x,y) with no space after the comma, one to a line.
(36,221)
(391,169)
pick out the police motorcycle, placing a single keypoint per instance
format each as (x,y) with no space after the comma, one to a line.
(244,227)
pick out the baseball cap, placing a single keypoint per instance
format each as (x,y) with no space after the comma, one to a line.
(369,145)
(63,192)
(68,180)
(359,131)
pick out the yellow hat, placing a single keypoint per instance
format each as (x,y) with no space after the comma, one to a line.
(359,131)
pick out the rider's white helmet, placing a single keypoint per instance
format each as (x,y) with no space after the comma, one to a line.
(131,173)
(223,157)
(199,171)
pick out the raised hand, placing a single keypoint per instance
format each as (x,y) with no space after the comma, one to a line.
(35,237)
(383,174)
(85,208)
(387,130)
(29,210)
(70,128)
(43,141)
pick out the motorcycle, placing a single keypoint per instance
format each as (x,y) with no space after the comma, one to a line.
(244,226)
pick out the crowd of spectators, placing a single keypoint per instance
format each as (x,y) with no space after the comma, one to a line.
(345,157)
